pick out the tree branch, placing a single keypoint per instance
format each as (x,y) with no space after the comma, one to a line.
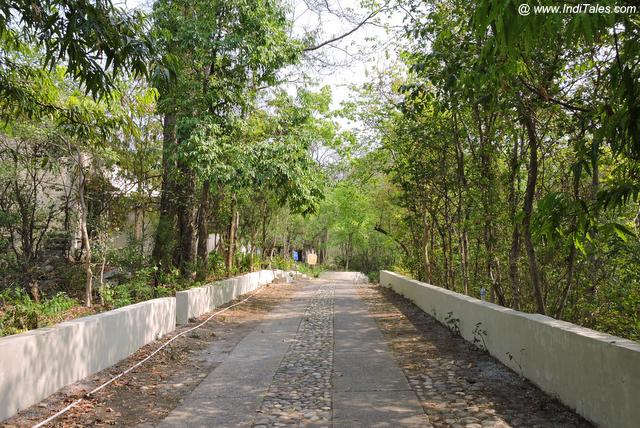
(343,35)
(547,97)
(379,228)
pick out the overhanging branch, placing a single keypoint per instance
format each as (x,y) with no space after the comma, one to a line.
(343,35)
(379,228)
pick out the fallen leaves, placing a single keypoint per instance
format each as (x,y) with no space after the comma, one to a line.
(155,388)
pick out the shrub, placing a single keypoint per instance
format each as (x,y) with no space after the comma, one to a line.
(283,263)
(138,289)
(243,262)
(19,313)
(313,271)
(129,258)
(374,276)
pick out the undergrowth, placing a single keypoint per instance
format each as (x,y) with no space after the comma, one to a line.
(20,313)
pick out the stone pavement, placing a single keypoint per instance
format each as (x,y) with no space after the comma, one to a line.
(317,360)
(322,360)
(369,389)
(458,384)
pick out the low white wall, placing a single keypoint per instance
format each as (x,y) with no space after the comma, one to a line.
(194,302)
(37,363)
(282,277)
(596,374)
(356,277)
(359,277)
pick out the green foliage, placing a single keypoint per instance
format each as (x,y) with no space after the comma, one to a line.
(18,312)
(128,258)
(374,276)
(139,288)
(507,149)
(219,55)
(79,33)
(503,153)
(216,266)
(84,148)
(282,263)
(244,262)
(312,271)
(354,211)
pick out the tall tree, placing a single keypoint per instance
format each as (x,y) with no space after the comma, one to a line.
(218,53)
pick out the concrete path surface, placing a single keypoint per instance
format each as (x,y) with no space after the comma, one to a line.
(319,359)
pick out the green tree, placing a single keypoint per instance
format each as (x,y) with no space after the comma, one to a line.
(220,53)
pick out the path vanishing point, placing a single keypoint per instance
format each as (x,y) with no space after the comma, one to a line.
(320,359)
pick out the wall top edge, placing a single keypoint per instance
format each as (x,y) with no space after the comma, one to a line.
(539,318)
(83,320)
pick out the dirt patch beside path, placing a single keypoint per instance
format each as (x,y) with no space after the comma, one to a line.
(458,385)
(147,394)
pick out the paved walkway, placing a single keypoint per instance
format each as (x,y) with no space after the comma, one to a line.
(317,360)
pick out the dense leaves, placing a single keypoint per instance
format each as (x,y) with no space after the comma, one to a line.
(94,39)
(513,146)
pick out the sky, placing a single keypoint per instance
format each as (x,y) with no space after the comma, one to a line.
(370,48)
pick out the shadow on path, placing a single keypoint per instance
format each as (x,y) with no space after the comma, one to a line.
(457,384)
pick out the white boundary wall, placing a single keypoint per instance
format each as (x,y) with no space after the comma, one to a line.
(37,363)
(596,374)
(194,302)
(356,277)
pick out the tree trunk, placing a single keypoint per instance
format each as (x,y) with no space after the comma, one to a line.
(137,224)
(490,202)
(88,290)
(185,251)
(252,248)
(464,259)
(444,282)
(347,255)
(165,232)
(532,177)
(571,263)
(432,262)
(445,259)
(203,229)
(570,279)
(463,212)
(448,225)
(514,257)
(138,233)
(232,232)
(322,254)
(101,283)
(514,252)
(265,222)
